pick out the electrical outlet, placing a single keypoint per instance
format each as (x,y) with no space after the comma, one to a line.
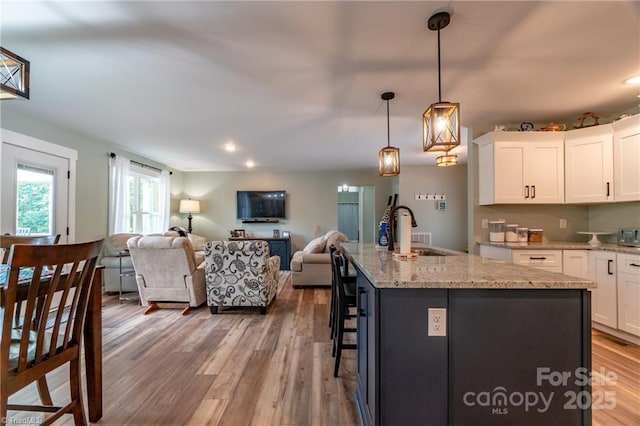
(563,223)
(485,223)
(437,322)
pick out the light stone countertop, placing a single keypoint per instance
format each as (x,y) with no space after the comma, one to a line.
(562,245)
(456,270)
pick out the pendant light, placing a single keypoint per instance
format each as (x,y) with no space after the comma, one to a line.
(441,121)
(389,156)
(14,75)
(447,160)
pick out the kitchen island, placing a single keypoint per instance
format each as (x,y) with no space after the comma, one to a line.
(453,339)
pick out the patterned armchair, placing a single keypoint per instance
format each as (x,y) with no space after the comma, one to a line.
(240,273)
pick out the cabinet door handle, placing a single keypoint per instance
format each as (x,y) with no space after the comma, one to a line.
(634,265)
(533,192)
(608,193)
(537,258)
(526,191)
(359,293)
(609,263)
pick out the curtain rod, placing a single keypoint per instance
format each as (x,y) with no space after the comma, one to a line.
(113,155)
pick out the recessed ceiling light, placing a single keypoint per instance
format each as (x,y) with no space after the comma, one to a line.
(230,147)
(633,80)
(249,163)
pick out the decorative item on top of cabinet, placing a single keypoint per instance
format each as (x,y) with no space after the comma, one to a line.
(521,168)
(592,115)
(588,155)
(626,158)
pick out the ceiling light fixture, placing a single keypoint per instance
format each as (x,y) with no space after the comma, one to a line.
(389,156)
(441,121)
(229,147)
(447,160)
(14,75)
(250,164)
(633,80)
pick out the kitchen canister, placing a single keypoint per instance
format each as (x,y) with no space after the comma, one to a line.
(535,235)
(523,234)
(496,231)
(511,233)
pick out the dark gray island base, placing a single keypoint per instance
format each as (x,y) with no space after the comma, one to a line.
(517,351)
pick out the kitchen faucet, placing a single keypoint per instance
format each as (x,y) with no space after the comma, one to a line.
(392,222)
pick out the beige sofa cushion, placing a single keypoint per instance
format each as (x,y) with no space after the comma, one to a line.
(116,243)
(334,237)
(316,245)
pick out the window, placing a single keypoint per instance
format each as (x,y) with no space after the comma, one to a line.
(35,201)
(139,198)
(144,201)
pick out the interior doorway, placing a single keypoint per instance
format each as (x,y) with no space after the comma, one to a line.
(356,212)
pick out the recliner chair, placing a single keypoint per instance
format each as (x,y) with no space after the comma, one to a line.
(166,272)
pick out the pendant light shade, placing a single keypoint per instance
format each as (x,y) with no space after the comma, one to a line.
(447,160)
(14,75)
(441,121)
(389,156)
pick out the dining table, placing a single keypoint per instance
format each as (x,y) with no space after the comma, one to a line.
(92,341)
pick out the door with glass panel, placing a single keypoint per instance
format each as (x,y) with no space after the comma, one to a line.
(34,192)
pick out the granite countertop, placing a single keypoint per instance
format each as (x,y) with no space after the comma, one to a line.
(455,270)
(563,245)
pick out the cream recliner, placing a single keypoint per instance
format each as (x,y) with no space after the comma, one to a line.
(166,272)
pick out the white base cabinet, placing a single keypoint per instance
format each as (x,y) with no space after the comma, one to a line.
(604,298)
(576,263)
(629,293)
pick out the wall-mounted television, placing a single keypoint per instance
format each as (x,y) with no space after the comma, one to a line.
(261,205)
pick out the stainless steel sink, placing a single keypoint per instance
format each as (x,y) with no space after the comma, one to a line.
(427,252)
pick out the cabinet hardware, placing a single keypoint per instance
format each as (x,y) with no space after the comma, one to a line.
(533,192)
(608,193)
(359,292)
(634,265)
(526,191)
(537,258)
(609,263)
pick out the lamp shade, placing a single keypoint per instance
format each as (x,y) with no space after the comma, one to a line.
(14,75)
(389,161)
(447,160)
(441,127)
(189,206)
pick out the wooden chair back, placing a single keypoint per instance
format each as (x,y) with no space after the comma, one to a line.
(60,275)
(6,241)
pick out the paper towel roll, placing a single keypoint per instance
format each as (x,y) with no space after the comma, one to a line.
(404,233)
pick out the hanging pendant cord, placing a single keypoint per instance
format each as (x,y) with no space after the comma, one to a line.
(388,137)
(439,85)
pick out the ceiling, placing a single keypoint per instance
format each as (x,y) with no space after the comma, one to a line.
(297,85)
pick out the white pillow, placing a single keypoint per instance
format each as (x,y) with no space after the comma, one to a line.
(315,246)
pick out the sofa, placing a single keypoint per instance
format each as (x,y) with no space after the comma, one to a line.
(110,259)
(166,272)
(240,273)
(311,266)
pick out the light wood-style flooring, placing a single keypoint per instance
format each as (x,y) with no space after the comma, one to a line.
(243,368)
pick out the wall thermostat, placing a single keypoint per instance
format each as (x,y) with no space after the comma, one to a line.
(441,206)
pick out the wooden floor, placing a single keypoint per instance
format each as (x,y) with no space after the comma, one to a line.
(243,368)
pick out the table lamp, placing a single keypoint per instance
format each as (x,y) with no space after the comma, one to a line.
(189,206)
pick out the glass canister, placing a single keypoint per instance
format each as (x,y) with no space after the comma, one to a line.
(496,231)
(535,235)
(523,235)
(511,233)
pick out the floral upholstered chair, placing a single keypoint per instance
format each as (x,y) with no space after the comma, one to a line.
(240,273)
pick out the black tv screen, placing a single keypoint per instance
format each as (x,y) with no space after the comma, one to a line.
(261,204)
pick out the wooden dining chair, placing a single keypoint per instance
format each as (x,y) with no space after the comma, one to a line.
(6,241)
(60,276)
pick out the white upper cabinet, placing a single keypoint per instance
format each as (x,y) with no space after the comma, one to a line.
(589,165)
(626,159)
(521,168)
